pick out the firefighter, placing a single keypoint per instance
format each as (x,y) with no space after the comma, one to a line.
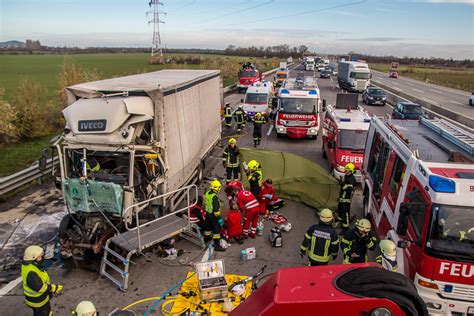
(322,241)
(345,197)
(254,174)
(197,215)
(85,308)
(258,121)
(357,241)
(37,285)
(388,258)
(213,213)
(228,115)
(249,206)
(239,116)
(230,160)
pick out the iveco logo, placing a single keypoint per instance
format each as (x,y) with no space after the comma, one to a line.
(92,125)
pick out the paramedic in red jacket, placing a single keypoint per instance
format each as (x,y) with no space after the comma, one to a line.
(268,198)
(233,224)
(197,215)
(249,205)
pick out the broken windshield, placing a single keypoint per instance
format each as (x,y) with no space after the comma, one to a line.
(93,196)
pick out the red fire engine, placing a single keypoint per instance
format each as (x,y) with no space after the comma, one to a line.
(419,192)
(344,136)
(299,105)
(247,76)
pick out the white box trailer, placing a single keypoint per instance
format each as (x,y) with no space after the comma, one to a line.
(130,139)
(353,76)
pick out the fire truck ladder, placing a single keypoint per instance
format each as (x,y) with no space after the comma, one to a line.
(143,236)
(454,134)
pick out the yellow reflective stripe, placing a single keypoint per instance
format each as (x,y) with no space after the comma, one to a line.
(378,259)
(371,243)
(348,244)
(37,305)
(335,242)
(307,236)
(314,257)
(303,248)
(326,248)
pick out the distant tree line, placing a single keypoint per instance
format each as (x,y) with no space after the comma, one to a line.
(419,61)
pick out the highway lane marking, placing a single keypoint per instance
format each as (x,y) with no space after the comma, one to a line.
(431,101)
(436,91)
(418,90)
(395,88)
(456,102)
(10,286)
(395,83)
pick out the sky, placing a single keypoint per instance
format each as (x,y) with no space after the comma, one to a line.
(420,28)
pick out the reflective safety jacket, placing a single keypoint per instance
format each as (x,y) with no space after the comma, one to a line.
(227,111)
(231,157)
(255,178)
(213,204)
(257,123)
(387,264)
(347,188)
(197,214)
(322,242)
(246,201)
(353,242)
(239,116)
(36,284)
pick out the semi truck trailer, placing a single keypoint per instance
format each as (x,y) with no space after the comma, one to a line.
(353,76)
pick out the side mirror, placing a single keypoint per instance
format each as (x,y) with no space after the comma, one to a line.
(43,160)
(402,224)
(324,105)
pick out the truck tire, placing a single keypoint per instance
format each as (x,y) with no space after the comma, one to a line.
(314,136)
(279,135)
(65,224)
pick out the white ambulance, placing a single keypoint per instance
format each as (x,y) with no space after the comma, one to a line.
(258,98)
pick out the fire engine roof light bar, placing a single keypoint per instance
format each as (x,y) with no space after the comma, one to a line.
(312,92)
(442,185)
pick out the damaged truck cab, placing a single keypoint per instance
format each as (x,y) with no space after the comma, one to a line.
(128,140)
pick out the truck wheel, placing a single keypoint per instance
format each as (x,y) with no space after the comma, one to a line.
(314,136)
(279,135)
(65,224)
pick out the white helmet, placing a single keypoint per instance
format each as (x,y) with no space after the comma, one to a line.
(85,308)
(286,227)
(32,253)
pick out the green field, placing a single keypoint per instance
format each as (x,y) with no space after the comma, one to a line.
(457,78)
(44,68)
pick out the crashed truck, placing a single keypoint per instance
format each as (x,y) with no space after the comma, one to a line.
(128,141)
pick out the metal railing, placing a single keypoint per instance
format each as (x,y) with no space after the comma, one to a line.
(187,190)
(25,176)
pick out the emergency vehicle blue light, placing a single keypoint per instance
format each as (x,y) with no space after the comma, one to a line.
(313,92)
(440,184)
(448,288)
(284,91)
(345,119)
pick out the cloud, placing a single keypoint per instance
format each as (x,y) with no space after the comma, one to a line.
(374,39)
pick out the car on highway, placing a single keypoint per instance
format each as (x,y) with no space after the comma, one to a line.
(471,100)
(321,68)
(374,95)
(407,111)
(393,74)
(334,72)
(325,74)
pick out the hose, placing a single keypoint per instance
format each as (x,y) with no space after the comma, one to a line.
(168,313)
(139,302)
(166,293)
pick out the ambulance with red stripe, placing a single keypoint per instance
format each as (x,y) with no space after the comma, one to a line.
(344,135)
(419,192)
(299,105)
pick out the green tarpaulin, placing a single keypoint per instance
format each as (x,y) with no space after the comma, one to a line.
(296,178)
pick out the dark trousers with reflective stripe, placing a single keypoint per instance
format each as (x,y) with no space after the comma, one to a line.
(232,171)
(228,121)
(213,222)
(257,134)
(317,263)
(344,211)
(44,310)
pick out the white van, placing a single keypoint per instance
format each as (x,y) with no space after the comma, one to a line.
(258,98)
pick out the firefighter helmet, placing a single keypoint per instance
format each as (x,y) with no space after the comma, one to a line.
(32,253)
(350,167)
(258,115)
(363,225)
(253,165)
(388,248)
(215,185)
(326,216)
(227,104)
(85,308)
(232,141)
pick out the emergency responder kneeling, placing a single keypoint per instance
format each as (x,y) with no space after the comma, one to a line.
(322,241)
(37,285)
(357,241)
(388,258)
(213,209)
(230,160)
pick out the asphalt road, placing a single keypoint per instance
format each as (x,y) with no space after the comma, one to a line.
(150,278)
(451,99)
